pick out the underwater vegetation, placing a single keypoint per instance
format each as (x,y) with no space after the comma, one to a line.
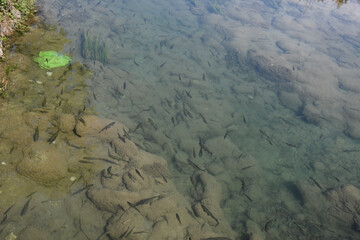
(92,47)
(215,7)
(275,4)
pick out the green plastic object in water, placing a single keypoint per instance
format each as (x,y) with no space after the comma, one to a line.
(51,59)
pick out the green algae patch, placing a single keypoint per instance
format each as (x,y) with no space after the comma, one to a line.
(51,59)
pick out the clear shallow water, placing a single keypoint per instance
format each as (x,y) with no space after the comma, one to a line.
(271,89)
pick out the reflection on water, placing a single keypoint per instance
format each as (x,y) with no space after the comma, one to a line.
(241,121)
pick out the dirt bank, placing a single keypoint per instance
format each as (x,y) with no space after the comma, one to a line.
(13,17)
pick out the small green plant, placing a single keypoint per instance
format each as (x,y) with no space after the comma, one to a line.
(215,7)
(92,47)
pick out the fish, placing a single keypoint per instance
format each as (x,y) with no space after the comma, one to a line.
(203,118)
(141,232)
(152,124)
(53,137)
(266,227)
(136,63)
(4,219)
(346,169)
(25,208)
(36,134)
(202,146)
(194,153)
(178,217)
(244,120)
(191,163)
(187,113)
(350,150)
(7,210)
(184,112)
(30,194)
(124,86)
(203,77)
(43,103)
(163,64)
(200,152)
(106,174)
(12,148)
(263,133)
(137,127)
(169,103)
(247,167)
(207,211)
(138,173)
(316,183)
(85,162)
(180,77)
(242,182)
(191,213)
(123,234)
(126,134)
(121,138)
(300,228)
(227,133)
(291,145)
(107,126)
(337,179)
(217,238)
(247,196)
(82,189)
(82,121)
(131,177)
(101,159)
(94,96)
(117,158)
(146,200)
(72,145)
(108,170)
(164,178)
(173,121)
(188,93)
(129,232)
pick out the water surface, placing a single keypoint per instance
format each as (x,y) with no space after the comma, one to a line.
(256,102)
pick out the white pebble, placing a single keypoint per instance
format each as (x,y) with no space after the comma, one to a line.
(49,74)
(72,178)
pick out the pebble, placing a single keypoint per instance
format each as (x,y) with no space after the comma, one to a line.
(72,178)
(49,74)
(3,163)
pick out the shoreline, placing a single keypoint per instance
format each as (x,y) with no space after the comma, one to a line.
(13,17)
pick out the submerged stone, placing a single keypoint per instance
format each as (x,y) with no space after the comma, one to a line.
(44,163)
(67,123)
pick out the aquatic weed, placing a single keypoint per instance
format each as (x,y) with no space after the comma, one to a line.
(92,47)
(215,7)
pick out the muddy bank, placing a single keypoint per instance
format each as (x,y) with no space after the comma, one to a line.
(13,16)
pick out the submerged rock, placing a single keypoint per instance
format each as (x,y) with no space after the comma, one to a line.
(67,123)
(44,164)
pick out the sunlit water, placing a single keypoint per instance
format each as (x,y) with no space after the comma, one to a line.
(261,95)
